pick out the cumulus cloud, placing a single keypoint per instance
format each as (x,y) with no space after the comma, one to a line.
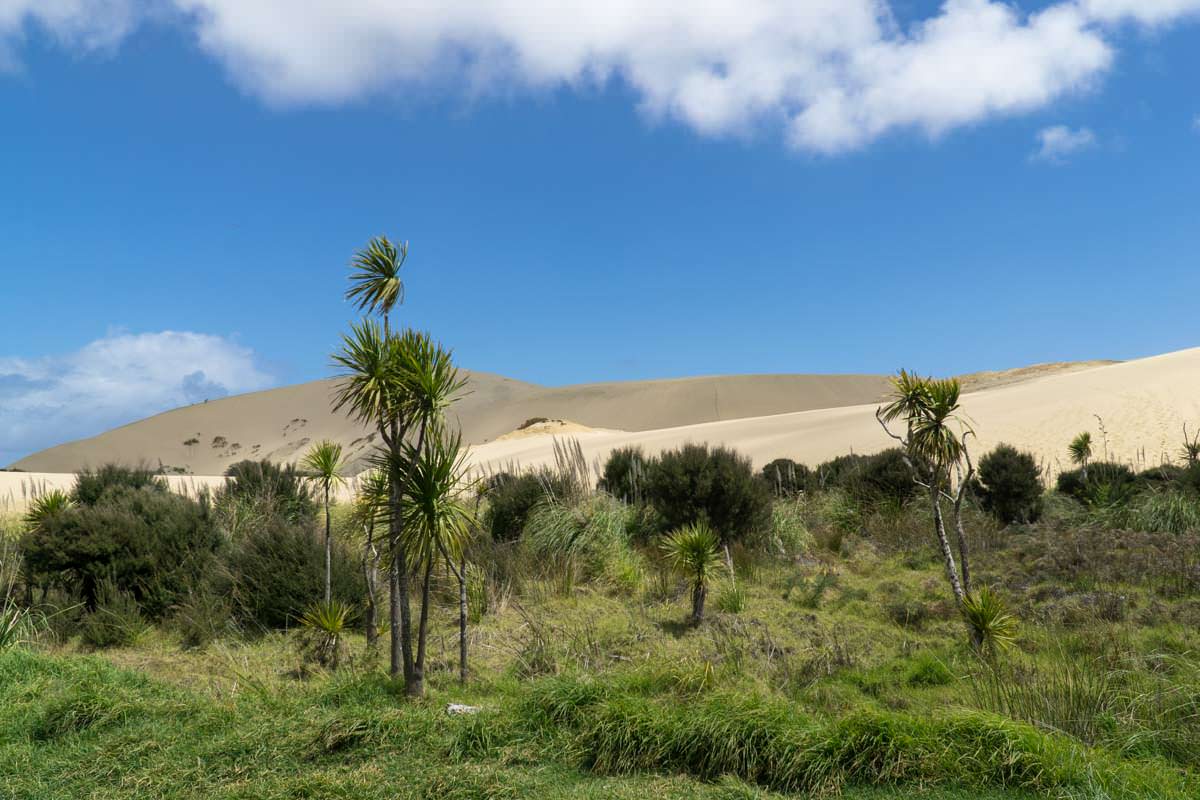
(833,74)
(113,381)
(1058,142)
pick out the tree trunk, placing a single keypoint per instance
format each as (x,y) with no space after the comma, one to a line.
(939,525)
(371,576)
(462,625)
(417,686)
(397,661)
(461,574)
(699,592)
(328,550)
(964,562)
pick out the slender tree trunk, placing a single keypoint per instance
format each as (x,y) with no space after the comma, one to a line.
(417,687)
(414,686)
(699,592)
(964,562)
(371,576)
(462,626)
(397,584)
(328,549)
(460,573)
(939,525)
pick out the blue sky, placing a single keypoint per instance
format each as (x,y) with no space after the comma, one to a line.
(605,195)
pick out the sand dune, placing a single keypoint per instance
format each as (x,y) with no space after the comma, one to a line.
(1143,405)
(278,424)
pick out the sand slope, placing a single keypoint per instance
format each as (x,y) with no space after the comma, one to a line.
(279,424)
(1143,405)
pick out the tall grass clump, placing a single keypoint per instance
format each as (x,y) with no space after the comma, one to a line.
(789,535)
(1154,511)
(583,542)
(768,743)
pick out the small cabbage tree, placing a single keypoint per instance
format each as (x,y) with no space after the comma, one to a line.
(934,448)
(692,551)
(324,464)
(437,525)
(1080,449)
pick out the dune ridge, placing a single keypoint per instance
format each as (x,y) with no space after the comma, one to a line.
(1143,405)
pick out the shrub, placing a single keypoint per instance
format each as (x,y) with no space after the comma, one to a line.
(278,569)
(695,484)
(624,474)
(273,488)
(1011,488)
(152,543)
(91,485)
(1189,478)
(1106,484)
(869,480)
(511,498)
(786,477)
(115,621)
(833,472)
(881,478)
(1161,476)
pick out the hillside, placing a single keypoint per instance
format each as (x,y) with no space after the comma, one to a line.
(278,423)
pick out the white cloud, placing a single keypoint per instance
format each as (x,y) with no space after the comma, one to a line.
(1058,142)
(76,24)
(1144,12)
(834,74)
(113,381)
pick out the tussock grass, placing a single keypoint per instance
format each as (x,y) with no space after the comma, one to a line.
(768,743)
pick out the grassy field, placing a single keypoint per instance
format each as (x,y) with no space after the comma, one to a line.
(840,669)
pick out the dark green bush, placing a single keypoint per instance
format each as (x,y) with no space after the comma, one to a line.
(1189,478)
(869,480)
(1010,485)
(149,542)
(1106,484)
(277,569)
(717,486)
(786,477)
(511,498)
(90,485)
(625,474)
(1162,476)
(835,472)
(881,478)
(278,488)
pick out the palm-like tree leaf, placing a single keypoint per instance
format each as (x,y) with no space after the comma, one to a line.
(437,519)
(324,462)
(692,551)
(1081,448)
(375,284)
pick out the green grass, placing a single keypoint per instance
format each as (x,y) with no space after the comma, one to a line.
(839,668)
(79,727)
